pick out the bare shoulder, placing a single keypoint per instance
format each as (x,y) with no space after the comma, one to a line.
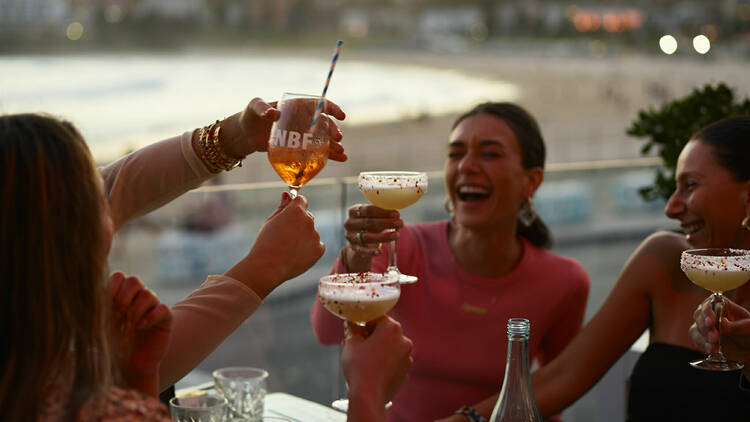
(656,258)
(663,245)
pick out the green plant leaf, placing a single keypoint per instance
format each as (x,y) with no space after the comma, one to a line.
(667,129)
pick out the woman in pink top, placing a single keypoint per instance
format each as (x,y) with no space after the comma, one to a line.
(484,265)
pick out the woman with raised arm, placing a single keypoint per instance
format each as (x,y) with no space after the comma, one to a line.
(56,358)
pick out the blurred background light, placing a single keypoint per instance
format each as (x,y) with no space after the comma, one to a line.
(668,44)
(113,13)
(74,32)
(701,44)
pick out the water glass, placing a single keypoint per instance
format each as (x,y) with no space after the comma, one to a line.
(201,408)
(244,388)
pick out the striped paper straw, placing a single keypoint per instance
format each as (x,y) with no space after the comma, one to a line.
(319,107)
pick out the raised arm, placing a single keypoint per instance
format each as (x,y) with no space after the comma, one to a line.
(376,361)
(155,175)
(286,246)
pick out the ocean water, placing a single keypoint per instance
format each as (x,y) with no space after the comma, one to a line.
(120,102)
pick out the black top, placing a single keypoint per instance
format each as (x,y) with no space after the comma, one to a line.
(664,387)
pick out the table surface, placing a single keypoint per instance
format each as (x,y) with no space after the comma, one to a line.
(282,404)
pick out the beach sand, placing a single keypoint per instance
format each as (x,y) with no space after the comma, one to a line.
(584,107)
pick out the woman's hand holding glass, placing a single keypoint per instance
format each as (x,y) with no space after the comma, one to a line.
(248,131)
(718,270)
(376,360)
(367,229)
(735,330)
(286,246)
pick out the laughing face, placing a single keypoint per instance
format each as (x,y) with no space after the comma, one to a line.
(708,202)
(484,176)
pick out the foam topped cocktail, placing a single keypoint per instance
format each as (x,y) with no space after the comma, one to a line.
(393,190)
(718,270)
(358,297)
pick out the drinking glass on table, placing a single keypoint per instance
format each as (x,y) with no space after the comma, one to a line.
(198,408)
(244,388)
(393,190)
(298,146)
(718,270)
(359,298)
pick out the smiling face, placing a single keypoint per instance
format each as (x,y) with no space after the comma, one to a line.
(484,176)
(709,202)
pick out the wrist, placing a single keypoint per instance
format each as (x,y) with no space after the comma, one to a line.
(365,406)
(233,139)
(354,262)
(259,278)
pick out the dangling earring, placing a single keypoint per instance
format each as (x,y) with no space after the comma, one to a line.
(527,215)
(746,223)
(449,206)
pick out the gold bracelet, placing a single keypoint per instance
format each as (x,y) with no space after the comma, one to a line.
(229,162)
(211,153)
(202,152)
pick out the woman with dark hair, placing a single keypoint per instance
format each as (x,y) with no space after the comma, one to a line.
(484,265)
(652,293)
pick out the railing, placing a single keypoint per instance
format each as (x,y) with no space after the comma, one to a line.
(593,210)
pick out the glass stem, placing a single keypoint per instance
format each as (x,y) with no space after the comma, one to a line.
(717,303)
(293,191)
(392,263)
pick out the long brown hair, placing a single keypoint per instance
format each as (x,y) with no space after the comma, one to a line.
(533,153)
(53,309)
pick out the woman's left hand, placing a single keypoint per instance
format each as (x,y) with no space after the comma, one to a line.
(143,324)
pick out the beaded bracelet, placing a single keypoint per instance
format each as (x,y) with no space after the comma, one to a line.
(210,150)
(470,414)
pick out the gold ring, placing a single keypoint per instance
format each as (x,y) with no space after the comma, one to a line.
(360,238)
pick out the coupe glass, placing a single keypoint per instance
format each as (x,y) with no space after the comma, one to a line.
(717,270)
(297,150)
(359,298)
(393,190)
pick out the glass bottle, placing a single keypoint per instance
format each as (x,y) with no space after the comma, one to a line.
(516,401)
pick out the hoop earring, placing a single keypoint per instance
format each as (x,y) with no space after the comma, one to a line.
(527,215)
(746,223)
